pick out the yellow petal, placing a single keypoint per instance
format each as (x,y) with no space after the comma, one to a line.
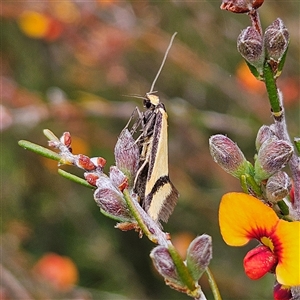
(287,248)
(243,217)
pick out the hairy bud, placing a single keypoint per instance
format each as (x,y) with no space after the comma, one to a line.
(228,155)
(127,155)
(278,186)
(165,266)
(264,133)
(276,40)
(250,46)
(110,200)
(199,255)
(273,155)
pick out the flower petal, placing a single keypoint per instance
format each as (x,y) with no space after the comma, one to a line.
(243,217)
(288,252)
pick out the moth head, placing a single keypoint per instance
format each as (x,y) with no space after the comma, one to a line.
(151,101)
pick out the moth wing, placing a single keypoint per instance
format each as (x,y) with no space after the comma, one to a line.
(160,194)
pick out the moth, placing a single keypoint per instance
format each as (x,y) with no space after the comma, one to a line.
(157,194)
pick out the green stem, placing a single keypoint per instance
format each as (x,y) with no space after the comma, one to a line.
(254,186)
(181,268)
(271,87)
(243,181)
(39,150)
(247,181)
(283,207)
(213,285)
(137,216)
(75,178)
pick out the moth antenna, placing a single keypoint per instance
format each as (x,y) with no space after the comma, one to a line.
(134,96)
(163,62)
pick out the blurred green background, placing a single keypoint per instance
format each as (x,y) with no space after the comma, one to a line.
(68,66)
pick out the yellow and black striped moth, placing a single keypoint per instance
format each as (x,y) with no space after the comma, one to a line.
(157,194)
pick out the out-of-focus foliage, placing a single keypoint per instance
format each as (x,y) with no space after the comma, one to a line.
(68,66)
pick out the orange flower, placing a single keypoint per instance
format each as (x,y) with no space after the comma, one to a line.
(243,217)
(58,271)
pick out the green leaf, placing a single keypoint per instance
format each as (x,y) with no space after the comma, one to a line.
(39,150)
(75,178)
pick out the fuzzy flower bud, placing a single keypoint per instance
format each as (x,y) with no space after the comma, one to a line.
(281,292)
(278,186)
(117,177)
(273,155)
(250,46)
(264,133)
(127,155)
(165,266)
(241,6)
(199,255)
(110,200)
(276,40)
(84,162)
(228,155)
(99,162)
(66,140)
(259,261)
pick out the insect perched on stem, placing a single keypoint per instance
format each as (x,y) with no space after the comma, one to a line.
(152,184)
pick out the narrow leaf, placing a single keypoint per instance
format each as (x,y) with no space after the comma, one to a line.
(39,150)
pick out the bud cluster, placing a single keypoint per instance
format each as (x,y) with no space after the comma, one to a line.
(241,6)
(178,274)
(271,46)
(109,189)
(272,155)
(199,254)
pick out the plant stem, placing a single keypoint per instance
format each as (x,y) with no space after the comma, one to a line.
(276,102)
(255,20)
(137,215)
(213,285)
(271,87)
(294,163)
(181,268)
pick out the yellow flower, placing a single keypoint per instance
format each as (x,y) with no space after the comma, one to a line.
(243,217)
(34,24)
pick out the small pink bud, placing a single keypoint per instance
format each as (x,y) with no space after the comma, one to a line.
(228,155)
(259,261)
(85,163)
(91,178)
(66,139)
(123,185)
(99,162)
(117,177)
(281,292)
(241,6)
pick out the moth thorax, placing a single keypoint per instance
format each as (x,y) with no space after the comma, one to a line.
(151,100)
